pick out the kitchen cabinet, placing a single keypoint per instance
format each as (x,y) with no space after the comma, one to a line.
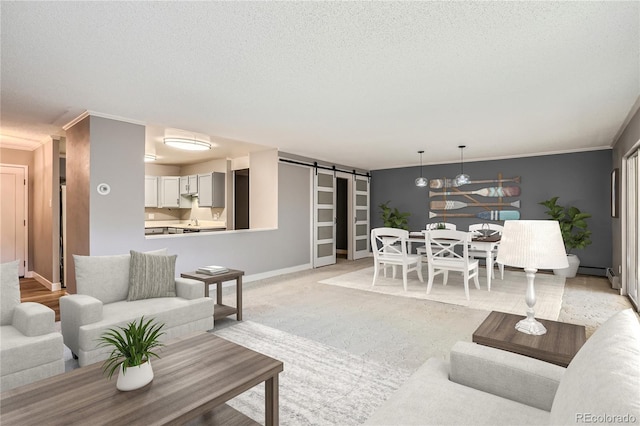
(151,191)
(189,185)
(211,189)
(169,191)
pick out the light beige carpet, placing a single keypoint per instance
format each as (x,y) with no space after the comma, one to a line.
(506,295)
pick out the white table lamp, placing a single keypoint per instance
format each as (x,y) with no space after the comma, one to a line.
(532,245)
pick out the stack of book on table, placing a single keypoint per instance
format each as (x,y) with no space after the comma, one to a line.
(212,270)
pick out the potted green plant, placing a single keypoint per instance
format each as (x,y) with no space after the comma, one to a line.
(393,218)
(132,348)
(574,230)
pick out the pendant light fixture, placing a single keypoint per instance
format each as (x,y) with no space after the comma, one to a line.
(462,178)
(421,181)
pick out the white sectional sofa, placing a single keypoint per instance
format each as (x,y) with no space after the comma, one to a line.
(486,386)
(101,303)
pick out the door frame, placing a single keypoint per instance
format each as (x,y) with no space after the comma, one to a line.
(25,170)
(625,225)
(350,212)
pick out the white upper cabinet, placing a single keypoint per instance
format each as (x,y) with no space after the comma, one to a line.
(189,185)
(151,191)
(211,189)
(169,191)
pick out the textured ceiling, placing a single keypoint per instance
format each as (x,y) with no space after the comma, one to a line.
(364,84)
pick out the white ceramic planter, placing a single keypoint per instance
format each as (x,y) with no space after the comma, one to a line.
(572,270)
(135,377)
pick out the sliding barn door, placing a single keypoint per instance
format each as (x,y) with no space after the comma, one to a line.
(360,202)
(324,218)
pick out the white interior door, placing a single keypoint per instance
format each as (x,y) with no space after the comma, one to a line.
(360,203)
(13,215)
(633,228)
(324,218)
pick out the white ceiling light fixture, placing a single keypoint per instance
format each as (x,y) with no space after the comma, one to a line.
(462,178)
(421,181)
(149,158)
(188,144)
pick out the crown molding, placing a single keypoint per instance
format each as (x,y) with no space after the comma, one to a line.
(88,113)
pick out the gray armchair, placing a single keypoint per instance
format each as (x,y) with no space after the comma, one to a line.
(30,348)
(104,301)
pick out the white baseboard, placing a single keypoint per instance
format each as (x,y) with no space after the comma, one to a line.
(269,274)
(45,282)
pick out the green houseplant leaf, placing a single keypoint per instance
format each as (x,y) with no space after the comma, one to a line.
(393,218)
(572,221)
(131,345)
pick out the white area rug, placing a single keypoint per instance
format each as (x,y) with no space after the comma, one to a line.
(506,295)
(320,385)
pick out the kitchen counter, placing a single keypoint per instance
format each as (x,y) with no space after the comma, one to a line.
(174,227)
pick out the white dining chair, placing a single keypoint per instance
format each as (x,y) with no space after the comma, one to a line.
(443,257)
(389,246)
(435,225)
(487,230)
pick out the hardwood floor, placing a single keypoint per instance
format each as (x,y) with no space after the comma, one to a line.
(32,291)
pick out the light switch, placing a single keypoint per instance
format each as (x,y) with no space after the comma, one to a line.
(151,216)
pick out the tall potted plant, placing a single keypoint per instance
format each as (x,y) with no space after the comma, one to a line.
(573,227)
(393,218)
(131,350)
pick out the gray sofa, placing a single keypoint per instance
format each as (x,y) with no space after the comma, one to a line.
(487,386)
(30,348)
(101,303)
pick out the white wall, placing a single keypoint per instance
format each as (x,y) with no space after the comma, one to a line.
(263,178)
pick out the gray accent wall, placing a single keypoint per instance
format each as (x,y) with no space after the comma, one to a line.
(579,179)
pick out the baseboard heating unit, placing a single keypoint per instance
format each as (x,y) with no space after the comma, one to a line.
(613,279)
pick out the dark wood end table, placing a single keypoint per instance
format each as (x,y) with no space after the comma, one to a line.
(221,310)
(558,346)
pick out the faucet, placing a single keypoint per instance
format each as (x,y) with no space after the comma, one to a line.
(196,221)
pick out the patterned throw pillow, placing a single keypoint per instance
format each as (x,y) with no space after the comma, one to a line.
(151,275)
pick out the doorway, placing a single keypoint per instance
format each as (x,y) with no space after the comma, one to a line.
(340,216)
(342,212)
(13,215)
(241,199)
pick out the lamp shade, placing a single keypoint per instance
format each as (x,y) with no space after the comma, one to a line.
(533,244)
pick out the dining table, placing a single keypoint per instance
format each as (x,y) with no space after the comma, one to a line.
(478,242)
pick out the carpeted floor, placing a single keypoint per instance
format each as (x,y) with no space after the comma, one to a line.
(320,385)
(506,294)
(329,335)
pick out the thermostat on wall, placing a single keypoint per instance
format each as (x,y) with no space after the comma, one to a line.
(104,189)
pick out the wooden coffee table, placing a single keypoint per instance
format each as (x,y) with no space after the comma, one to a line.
(558,346)
(193,379)
(220,310)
